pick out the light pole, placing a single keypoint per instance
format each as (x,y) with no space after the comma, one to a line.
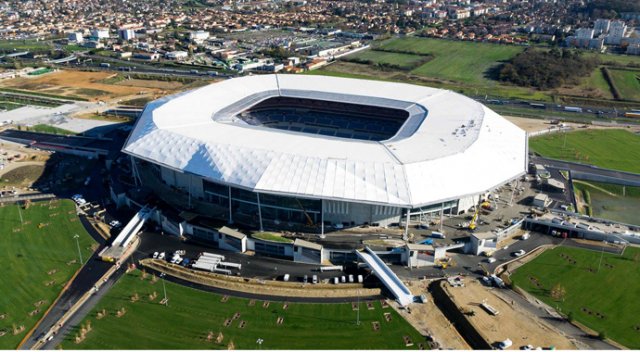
(20,213)
(358,310)
(601,255)
(164,288)
(259,341)
(78,244)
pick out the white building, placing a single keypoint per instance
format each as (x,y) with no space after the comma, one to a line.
(76,37)
(127,34)
(584,33)
(100,33)
(616,33)
(177,55)
(601,26)
(633,49)
(199,36)
(271,149)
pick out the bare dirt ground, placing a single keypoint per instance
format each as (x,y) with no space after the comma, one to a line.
(529,125)
(83,84)
(512,321)
(21,174)
(429,320)
(144,83)
(24,168)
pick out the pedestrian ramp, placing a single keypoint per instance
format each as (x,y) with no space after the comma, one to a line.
(117,249)
(387,276)
(132,228)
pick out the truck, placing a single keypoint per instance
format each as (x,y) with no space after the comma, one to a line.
(572,109)
(525,236)
(105,64)
(497,281)
(436,234)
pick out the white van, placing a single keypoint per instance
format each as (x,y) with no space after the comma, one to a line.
(285,278)
(315,279)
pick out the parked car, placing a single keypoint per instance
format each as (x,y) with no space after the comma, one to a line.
(491,260)
(519,253)
(505,344)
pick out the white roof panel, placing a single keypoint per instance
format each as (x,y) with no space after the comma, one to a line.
(447,148)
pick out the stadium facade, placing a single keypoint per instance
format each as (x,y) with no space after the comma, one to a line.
(282,150)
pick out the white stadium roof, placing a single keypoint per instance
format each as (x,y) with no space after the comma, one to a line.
(449,147)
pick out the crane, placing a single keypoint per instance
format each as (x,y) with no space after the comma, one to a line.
(304,211)
(486,205)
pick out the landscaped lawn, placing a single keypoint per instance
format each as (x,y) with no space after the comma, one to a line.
(24,45)
(194,315)
(627,82)
(268,236)
(466,62)
(611,149)
(604,300)
(37,261)
(49,129)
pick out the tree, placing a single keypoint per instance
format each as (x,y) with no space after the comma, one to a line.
(558,292)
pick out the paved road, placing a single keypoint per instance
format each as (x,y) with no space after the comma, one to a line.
(82,312)
(576,167)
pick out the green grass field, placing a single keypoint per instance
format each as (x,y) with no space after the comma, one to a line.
(192,314)
(604,300)
(29,257)
(455,60)
(24,45)
(611,149)
(40,94)
(598,84)
(405,61)
(268,236)
(466,67)
(627,82)
(9,105)
(615,59)
(49,129)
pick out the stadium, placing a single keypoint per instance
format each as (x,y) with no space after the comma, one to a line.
(315,152)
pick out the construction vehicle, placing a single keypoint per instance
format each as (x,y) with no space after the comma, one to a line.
(484,205)
(443,263)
